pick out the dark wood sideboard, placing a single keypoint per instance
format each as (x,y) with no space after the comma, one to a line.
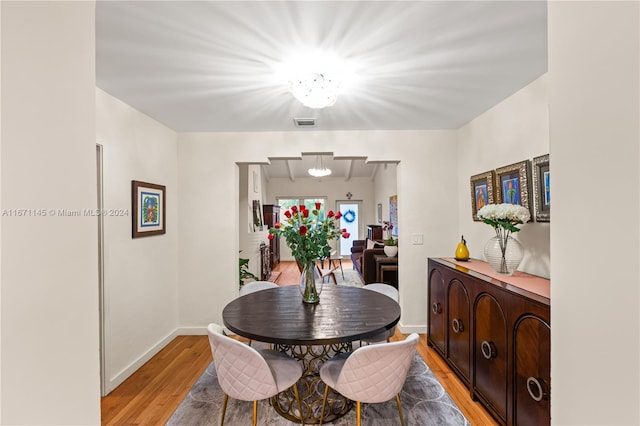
(494,332)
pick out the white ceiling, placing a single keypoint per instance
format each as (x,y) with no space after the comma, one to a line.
(209,66)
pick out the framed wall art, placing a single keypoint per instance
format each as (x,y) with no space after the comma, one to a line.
(513,184)
(148,209)
(542,188)
(393,214)
(482,192)
(258,219)
(379,212)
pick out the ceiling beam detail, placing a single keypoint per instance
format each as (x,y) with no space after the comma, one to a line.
(290,171)
(375,170)
(349,171)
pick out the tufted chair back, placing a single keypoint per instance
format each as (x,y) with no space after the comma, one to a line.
(242,371)
(376,373)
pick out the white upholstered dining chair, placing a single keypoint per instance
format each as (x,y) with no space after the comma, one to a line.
(254,286)
(370,374)
(248,374)
(389,291)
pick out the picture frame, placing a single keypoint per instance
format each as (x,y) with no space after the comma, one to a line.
(379,212)
(542,188)
(513,184)
(393,214)
(148,204)
(482,192)
(258,219)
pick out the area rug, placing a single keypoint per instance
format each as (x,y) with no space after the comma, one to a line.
(351,278)
(424,402)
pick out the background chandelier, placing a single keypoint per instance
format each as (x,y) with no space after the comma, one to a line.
(315,90)
(320,170)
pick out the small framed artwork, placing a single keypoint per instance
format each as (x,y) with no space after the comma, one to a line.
(393,214)
(481,192)
(257,216)
(379,212)
(513,184)
(542,188)
(148,207)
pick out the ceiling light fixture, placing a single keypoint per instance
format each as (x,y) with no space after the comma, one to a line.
(320,170)
(315,90)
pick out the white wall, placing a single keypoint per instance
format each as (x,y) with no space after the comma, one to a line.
(427,175)
(49,300)
(331,187)
(594,92)
(141,274)
(515,130)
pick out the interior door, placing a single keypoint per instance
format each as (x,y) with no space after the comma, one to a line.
(350,221)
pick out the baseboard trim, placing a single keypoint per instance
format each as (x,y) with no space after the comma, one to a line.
(142,359)
(191,331)
(408,329)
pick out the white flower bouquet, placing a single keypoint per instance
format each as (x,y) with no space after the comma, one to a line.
(504,215)
(504,218)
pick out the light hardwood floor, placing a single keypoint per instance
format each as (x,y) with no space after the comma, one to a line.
(152,393)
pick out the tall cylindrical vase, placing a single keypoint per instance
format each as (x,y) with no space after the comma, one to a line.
(504,255)
(310,283)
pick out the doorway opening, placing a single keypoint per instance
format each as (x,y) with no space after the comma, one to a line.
(350,220)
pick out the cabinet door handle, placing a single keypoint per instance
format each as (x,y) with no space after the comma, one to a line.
(488,349)
(457,326)
(534,387)
(436,308)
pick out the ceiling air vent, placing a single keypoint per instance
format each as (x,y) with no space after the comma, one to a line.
(305,122)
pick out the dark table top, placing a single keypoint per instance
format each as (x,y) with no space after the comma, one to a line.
(278,315)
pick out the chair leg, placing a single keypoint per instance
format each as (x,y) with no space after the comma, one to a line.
(255,413)
(358,415)
(324,403)
(224,408)
(400,409)
(333,277)
(297,395)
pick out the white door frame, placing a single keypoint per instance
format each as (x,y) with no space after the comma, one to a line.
(101,290)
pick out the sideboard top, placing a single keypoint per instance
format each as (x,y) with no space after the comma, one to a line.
(520,282)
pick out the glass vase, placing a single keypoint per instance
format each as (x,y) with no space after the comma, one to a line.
(310,283)
(504,255)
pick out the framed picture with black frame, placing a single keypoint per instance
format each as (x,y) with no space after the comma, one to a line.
(513,184)
(148,203)
(542,188)
(482,192)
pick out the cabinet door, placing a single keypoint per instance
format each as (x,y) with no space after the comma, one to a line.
(458,322)
(532,371)
(490,354)
(437,319)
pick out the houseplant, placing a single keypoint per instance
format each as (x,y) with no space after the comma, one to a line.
(390,243)
(307,234)
(503,252)
(244,271)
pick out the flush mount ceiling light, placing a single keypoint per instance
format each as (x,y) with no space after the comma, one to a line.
(320,170)
(315,90)
(315,77)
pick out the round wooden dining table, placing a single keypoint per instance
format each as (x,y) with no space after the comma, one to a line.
(311,333)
